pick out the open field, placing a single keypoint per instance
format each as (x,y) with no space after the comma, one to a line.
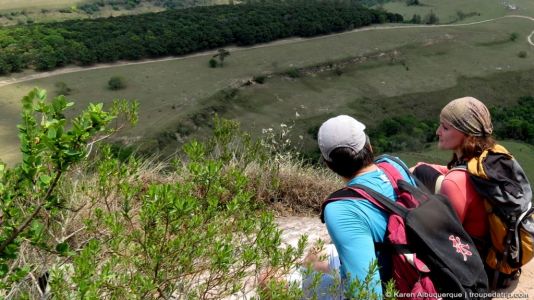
(29,11)
(383,73)
(37,4)
(475,10)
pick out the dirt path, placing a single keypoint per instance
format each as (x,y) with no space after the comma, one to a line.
(294,227)
(13,80)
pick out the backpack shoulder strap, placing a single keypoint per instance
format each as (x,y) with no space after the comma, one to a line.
(395,177)
(343,194)
(381,201)
(361,192)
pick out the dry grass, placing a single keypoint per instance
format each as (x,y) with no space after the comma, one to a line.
(293,189)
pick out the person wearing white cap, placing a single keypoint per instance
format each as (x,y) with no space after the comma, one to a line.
(356,227)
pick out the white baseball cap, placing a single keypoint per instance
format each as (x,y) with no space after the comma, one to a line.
(339,132)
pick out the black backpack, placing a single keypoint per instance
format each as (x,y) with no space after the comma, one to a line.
(431,251)
(501,181)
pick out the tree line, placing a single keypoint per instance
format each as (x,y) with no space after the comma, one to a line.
(515,122)
(174,32)
(407,133)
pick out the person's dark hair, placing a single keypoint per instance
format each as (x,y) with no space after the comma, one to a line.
(346,162)
(473,146)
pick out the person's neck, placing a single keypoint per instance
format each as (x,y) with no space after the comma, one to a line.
(369,168)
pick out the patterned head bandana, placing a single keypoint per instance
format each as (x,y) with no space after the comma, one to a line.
(469,116)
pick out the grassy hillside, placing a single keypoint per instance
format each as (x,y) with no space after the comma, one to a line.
(372,74)
(30,11)
(449,11)
(37,4)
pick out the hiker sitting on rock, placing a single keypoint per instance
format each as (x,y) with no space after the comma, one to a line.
(486,187)
(355,227)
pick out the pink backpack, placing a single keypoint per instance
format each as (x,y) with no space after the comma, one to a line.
(432,255)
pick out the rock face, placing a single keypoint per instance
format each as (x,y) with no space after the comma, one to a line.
(294,227)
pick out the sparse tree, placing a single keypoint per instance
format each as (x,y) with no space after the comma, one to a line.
(431,18)
(221,55)
(416,19)
(461,15)
(514,36)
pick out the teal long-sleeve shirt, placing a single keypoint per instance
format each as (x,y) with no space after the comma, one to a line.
(355,227)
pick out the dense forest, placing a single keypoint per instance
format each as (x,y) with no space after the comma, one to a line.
(516,122)
(174,32)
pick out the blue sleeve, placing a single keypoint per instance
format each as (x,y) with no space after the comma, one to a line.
(350,232)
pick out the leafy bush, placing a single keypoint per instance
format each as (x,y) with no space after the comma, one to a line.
(30,201)
(119,225)
(293,73)
(110,234)
(514,36)
(212,63)
(259,79)
(116,83)
(522,54)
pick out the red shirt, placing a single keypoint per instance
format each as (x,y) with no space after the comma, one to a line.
(466,202)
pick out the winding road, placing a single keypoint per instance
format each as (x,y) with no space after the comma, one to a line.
(14,80)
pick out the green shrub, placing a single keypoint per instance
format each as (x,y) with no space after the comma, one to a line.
(259,79)
(116,83)
(117,225)
(514,36)
(30,192)
(293,73)
(213,63)
(522,54)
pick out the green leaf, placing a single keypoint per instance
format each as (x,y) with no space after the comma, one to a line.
(52,133)
(62,248)
(3,270)
(45,179)
(41,94)
(20,273)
